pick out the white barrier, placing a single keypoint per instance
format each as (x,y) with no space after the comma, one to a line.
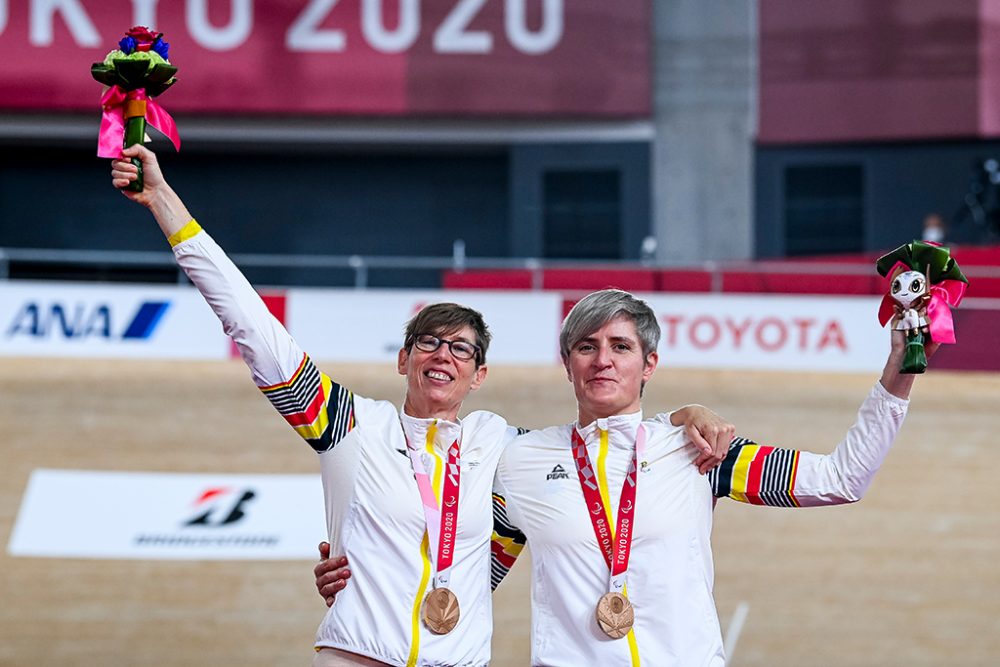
(97,320)
(770,332)
(346,325)
(97,514)
(367,326)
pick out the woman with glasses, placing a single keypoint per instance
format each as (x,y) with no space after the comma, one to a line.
(424,598)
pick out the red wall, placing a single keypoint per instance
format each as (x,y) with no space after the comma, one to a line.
(583,58)
(976,331)
(878,69)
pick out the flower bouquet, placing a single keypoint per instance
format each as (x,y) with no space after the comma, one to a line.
(924,284)
(135,72)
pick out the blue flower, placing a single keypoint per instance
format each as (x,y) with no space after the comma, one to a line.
(127,45)
(162,48)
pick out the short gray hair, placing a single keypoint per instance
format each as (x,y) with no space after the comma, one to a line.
(598,308)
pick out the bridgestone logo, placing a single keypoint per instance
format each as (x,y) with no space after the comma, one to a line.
(248,541)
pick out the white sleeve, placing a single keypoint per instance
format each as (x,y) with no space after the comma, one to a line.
(765,475)
(845,474)
(319,409)
(265,345)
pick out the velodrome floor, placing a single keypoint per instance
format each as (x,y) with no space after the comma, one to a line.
(907,577)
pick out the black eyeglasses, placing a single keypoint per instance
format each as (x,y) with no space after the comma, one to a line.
(460,349)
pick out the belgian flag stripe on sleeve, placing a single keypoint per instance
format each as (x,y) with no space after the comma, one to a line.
(758,475)
(506,544)
(319,409)
(341,412)
(755,476)
(721,477)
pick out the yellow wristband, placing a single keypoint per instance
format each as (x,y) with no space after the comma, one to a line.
(189,230)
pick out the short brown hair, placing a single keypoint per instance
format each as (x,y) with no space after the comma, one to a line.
(446,318)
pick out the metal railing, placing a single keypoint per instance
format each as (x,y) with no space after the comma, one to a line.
(361,265)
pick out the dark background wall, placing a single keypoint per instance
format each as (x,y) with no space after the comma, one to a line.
(553,201)
(582,201)
(852,198)
(381,203)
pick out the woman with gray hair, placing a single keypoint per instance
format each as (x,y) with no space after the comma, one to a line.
(621,554)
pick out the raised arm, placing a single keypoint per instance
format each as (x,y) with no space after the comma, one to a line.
(896,383)
(170,212)
(320,410)
(763,475)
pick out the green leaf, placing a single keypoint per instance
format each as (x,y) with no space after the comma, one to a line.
(104,74)
(936,261)
(154,89)
(161,73)
(132,72)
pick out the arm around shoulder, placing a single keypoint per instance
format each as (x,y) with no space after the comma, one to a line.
(707,431)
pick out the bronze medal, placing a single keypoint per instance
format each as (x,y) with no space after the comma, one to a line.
(440,611)
(615,615)
(440,607)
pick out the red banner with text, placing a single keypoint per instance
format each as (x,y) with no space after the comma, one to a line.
(515,58)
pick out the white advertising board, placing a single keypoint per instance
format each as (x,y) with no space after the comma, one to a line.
(367,326)
(97,514)
(346,325)
(63,319)
(770,332)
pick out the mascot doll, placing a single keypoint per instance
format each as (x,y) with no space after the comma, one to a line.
(924,284)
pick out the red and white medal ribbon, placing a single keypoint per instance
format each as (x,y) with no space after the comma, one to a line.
(441,519)
(616,546)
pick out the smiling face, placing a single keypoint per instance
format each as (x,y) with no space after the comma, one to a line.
(907,287)
(608,369)
(437,382)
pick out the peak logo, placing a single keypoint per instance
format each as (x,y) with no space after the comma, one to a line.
(220,506)
(81,321)
(558,472)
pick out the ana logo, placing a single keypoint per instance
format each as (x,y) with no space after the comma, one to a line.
(220,506)
(84,320)
(558,472)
